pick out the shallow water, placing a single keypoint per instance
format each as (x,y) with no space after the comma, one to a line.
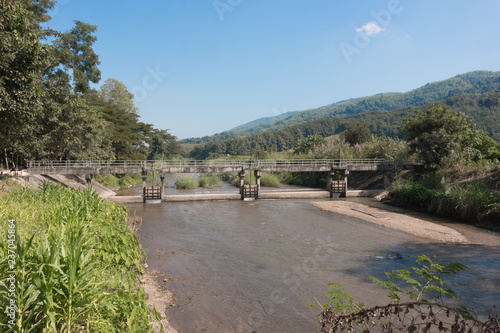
(256,266)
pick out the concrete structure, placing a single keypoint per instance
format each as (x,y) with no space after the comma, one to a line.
(332,167)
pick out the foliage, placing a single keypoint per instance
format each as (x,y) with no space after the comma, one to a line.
(428,280)
(308,144)
(266,179)
(163,146)
(341,314)
(78,265)
(436,133)
(338,300)
(209,181)
(185,183)
(357,133)
(471,202)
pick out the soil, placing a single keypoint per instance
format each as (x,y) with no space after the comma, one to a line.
(157,295)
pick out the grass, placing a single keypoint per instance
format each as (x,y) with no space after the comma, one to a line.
(470,202)
(267,180)
(78,266)
(124,180)
(209,181)
(185,183)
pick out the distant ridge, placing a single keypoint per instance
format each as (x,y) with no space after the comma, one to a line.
(468,83)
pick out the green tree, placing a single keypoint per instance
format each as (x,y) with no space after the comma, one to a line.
(22,60)
(436,134)
(357,133)
(130,137)
(163,145)
(306,145)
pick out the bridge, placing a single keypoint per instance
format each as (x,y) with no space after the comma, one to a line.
(342,167)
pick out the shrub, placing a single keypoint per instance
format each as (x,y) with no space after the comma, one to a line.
(185,183)
(209,181)
(266,179)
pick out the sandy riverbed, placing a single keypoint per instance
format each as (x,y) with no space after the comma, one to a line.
(405,223)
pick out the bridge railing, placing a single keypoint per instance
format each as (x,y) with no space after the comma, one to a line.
(149,164)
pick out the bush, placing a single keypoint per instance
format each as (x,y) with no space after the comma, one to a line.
(185,183)
(108,180)
(209,181)
(266,179)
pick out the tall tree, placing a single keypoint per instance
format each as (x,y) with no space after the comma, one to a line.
(357,133)
(22,61)
(163,145)
(436,134)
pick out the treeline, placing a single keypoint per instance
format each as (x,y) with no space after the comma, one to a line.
(48,109)
(483,110)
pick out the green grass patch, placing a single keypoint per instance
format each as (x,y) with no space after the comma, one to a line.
(185,183)
(209,181)
(267,180)
(78,266)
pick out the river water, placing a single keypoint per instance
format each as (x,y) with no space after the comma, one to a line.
(255,266)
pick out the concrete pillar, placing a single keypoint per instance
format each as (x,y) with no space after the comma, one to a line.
(387,179)
(162,178)
(144,175)
(88,178)
(242,180)
(344,174)
(257,174)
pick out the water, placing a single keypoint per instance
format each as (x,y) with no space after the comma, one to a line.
(256,266)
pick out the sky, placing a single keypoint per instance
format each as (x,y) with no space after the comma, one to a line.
(200,67)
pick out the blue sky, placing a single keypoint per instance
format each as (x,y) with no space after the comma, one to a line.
(199,67)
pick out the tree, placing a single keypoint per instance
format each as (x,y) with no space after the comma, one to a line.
(306,145)
(357,133)
(163,145)
(22,60)
(436,134)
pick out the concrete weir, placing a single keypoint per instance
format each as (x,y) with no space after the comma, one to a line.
(337,171)
(235,196)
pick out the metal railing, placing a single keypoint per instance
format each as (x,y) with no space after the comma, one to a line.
(147,164)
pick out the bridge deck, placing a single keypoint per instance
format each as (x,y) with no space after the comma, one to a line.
(215,166)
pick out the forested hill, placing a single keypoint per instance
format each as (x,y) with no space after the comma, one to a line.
(483,109)
(470,83)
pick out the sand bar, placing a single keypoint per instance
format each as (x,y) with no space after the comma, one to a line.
(402,222)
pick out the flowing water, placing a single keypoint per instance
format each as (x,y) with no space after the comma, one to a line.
(255,266)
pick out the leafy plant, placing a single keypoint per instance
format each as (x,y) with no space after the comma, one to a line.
(338,300)
(429,279)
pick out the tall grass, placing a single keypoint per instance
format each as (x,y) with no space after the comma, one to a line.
(471,202)
(209,181)
(266,179)
(78,266)
(185,183)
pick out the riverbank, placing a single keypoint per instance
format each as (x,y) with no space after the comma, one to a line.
(396,221)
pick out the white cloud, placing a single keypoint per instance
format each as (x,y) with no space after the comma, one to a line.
(371,28)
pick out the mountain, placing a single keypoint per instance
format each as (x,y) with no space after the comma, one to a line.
(483,109)
(470,83)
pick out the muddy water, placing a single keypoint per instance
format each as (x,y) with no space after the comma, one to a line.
(256,266)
